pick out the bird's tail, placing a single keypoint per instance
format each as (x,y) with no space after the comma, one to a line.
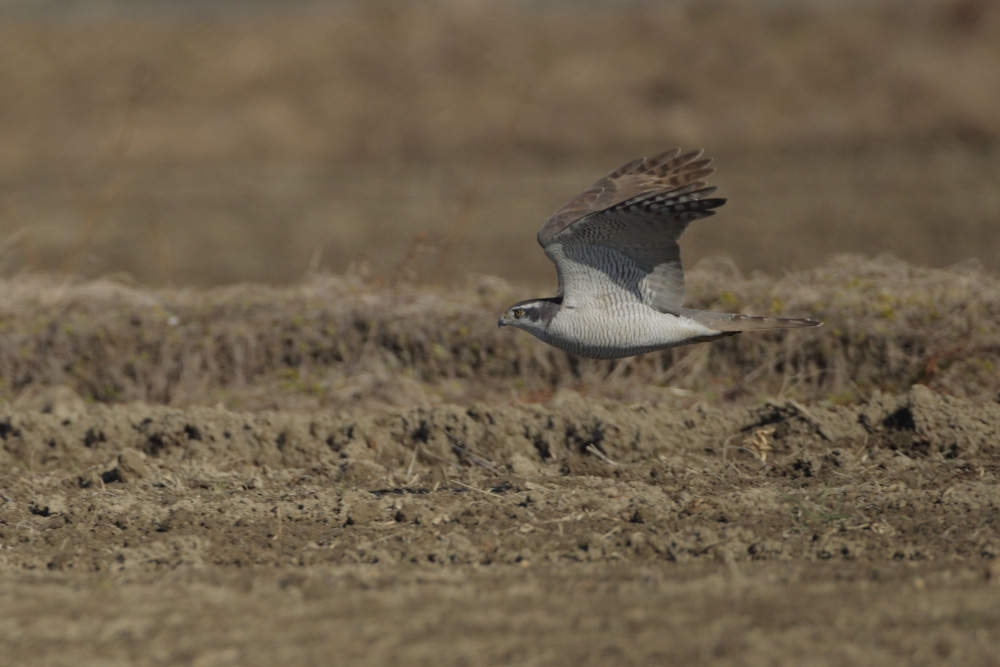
(728,322)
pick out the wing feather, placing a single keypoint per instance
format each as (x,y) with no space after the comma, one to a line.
(620,235)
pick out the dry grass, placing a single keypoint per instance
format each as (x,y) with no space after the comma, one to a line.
(221,151)
(335,341)
(396,81)
(203,151)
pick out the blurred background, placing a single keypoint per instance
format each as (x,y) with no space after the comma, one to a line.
(200,143)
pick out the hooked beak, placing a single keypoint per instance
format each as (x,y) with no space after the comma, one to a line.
(501,322)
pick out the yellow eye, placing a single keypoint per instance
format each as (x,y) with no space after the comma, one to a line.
(518,313)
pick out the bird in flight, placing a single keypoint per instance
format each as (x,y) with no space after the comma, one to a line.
(621,283)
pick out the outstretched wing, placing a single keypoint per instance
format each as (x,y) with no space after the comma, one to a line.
(617,240)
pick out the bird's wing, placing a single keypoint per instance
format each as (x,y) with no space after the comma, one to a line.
(618,239)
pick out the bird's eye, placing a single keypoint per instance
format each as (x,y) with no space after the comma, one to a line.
(518,313)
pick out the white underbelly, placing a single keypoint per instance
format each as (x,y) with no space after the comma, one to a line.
(621,331)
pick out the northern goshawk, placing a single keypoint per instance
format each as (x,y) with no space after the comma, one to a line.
(621,283)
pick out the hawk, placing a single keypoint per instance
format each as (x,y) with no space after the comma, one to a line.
(621,284)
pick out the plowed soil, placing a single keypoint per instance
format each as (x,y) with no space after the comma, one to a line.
(576,532)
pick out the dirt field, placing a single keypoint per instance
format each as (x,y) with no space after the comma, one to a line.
(574,532)
(255,410)
(431,494)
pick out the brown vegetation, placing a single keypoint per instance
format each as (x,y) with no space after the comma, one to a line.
(338,341)
(392,81)
(207,152)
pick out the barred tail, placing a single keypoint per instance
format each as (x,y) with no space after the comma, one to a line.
(727,322)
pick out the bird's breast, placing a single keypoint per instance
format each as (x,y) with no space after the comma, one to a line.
(618,331)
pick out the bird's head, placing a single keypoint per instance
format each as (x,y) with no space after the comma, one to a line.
(533,315)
